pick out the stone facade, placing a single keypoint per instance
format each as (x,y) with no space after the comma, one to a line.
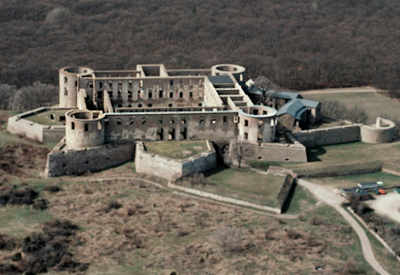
(328,136)
(243,153)
(61,161)
(20,125)
(172,169)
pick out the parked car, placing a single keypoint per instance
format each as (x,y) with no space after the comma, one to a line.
(380,191)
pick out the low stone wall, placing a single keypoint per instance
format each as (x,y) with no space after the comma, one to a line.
(384,132)
(336,170)
(18,125)
(62,162)
(223,199)
(286,193)
(328,136)
(172,169)
(242,153)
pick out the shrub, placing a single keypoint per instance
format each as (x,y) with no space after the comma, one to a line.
(37,95)
(231,239)
(7,92)
(337,110)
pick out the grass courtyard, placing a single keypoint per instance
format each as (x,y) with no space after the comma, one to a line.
(44,117)
(243,184)
(177,149)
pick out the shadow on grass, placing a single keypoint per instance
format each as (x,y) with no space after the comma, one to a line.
(216,170)
(313,154)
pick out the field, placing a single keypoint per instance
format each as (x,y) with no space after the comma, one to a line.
(131,226)
(177,149)
(374,104)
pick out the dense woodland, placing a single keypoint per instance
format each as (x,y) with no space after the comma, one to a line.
(298,44)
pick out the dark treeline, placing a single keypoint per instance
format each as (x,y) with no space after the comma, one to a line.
(297,44)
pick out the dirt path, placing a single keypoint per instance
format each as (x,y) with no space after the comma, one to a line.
(328,196)
(366,89)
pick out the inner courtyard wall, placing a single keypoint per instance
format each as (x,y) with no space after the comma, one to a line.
(149,91)
(218,126)
(328,136)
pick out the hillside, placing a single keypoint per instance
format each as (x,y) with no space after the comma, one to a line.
(298,44)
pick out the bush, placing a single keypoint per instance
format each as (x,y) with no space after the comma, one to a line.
(231,239)
(34,96)
(7,93)
(337,110)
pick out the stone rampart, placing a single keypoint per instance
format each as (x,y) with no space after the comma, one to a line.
(243,153)
(223,199)
(172,169)
(62,162)
(18,125)
(331,135)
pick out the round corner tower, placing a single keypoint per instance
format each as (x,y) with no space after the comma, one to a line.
(84,129)
(257,124)
(69,85)
(238,72)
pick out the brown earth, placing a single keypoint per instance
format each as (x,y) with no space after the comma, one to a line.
(21,159)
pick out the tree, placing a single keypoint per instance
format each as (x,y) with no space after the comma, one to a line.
(7,93)
(30,97)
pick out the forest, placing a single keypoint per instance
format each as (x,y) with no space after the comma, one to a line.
(298,44)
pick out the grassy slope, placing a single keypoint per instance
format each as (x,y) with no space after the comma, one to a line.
(246,185)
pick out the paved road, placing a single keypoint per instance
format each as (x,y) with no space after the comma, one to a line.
(366,89)
(329,197)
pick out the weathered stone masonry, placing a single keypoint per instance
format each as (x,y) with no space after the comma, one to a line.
(108,112)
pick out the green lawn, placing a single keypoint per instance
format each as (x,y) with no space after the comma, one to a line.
(349,153)
(301,202)
(177,149)
(352,180)
(374,104)
(244,184)
(44,117)
(19,221)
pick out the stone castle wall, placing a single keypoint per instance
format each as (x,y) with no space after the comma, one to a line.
(242,153)
(18,125)
(62,162)
(328,136)
(149,91)
(170,126)
(172,169)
